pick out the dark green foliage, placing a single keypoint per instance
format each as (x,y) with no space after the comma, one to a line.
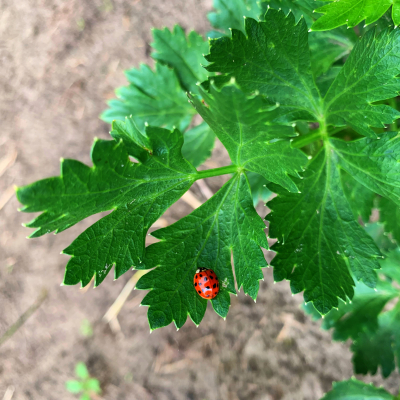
(318,238)
(273,93)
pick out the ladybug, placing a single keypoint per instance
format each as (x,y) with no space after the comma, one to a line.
(206,283)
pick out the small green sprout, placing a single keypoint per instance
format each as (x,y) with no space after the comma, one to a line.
(86,386)
(86,328)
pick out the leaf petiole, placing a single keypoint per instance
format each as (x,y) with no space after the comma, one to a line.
(304,140)
(208,173)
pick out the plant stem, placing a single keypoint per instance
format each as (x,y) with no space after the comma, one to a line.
(304,140)
(208,173)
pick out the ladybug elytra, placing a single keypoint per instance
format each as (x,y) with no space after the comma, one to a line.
(206,283)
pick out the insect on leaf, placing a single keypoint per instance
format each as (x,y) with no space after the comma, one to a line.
(205,238)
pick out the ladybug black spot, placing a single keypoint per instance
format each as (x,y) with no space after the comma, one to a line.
(201,275)
(195,284)
(207,287)
(215,285)
(199,291)
(211,277)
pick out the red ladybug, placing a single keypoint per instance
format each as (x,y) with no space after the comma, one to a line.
(206,283)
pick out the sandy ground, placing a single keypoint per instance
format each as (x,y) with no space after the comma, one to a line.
(60,61)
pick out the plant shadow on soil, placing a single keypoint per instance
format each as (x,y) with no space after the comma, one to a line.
(60,63)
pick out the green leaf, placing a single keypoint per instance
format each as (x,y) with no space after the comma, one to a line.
(382,240)
(325,81)
(360,198)
(329,47)
(153,97)
(326,47)
(273,59)
(389,215)
(373,163)
(85,397)
(319,239)
(93,385)
(374,331)
(183,53)
(259,190)
(86,328)
(74,386)
(299,8)
(198,144)
(229,13)
(391,265)
(361,315)
(380,348)
(244,126)
(356,390)
(205,238)
(139,193)
(352,12)
(369,75)
(81,371)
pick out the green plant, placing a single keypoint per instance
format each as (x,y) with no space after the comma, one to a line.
(309,112)
(86,328)
(86,386)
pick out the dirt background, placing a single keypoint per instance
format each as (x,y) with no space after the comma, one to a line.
(60,60)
